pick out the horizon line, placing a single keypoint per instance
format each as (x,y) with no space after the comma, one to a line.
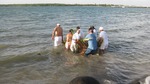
(65,4)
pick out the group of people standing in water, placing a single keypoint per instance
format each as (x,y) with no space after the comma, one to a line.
(76,39)
(93,39)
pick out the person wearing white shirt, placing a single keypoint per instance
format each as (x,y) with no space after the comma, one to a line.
(81,34)
(75,38)
(104,38)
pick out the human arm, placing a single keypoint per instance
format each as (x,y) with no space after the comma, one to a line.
(62,36)
(87,38)
(100,38)
(53,33)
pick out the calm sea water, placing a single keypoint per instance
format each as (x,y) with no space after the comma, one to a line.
(26,49)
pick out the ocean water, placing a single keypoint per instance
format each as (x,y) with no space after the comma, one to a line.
(27,55)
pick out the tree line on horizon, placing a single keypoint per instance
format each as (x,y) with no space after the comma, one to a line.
(59,4)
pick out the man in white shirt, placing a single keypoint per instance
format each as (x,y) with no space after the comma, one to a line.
(75,38)
(81,34)
(104,38)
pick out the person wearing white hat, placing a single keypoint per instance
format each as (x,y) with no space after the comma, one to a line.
(57,35)
(104,38)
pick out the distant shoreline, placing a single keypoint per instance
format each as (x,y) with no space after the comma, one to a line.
(57,4)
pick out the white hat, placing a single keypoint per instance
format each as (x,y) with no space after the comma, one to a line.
(101,28)
(58,24)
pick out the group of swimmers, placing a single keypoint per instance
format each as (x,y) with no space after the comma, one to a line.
(74,40)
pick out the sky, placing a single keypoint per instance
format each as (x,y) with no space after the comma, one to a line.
(145,3)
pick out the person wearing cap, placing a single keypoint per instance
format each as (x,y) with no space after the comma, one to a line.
(69,39)
(92,42)
(104,40)
(57,35)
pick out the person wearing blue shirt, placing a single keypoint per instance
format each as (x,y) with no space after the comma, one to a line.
(92,42)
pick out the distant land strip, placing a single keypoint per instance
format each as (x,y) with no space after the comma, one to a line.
(57,4)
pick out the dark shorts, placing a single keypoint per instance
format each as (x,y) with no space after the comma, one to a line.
(90,51)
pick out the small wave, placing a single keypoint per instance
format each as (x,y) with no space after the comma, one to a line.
(118,30)
(3,30)
(25,58)
(3,46)
(26,36)
(115,30)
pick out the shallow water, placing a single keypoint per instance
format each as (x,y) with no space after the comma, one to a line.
(27,55)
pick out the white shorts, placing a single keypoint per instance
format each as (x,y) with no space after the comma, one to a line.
(67,45)
(73,47)
(57,40)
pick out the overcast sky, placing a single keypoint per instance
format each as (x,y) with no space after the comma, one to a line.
(123,2)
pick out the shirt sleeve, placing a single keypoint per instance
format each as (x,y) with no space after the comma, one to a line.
(86,36)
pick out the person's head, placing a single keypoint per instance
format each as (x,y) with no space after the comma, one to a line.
(92,27)
(78,31)
(58,25)
(90,30)
(84,80)
(101,29)
(71,30)
(77,27)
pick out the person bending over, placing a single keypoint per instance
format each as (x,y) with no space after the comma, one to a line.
(92,42)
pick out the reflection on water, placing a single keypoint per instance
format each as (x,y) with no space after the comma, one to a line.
(53,66)
(57,65)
